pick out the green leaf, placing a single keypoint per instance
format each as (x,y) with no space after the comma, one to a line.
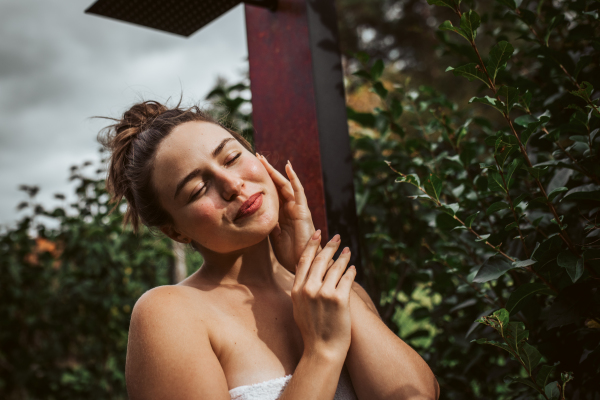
(488,101)
(361,73)
(584,192)
(527,99)
(553,24)
(492,343)
(396,109)
(471,72)
(380,90)
(552,391)
(450,209)
(500,205)
(447,26)
(469,22)
(444,3)
(511,226)
(482,238)
(433,186)
(510,172)
(525,120)
(493,268)
(572,264)
(524,381)
(511,97)
(530,356)
(377,70)
(519,199)
(536,172)
(543,374)
(503,317)
(585,92)
(495,183)
(516,334)
(365,119)
(523,292)
(499,55)
(508,3)
(524,263)
(556,192)
(532,128)
(410,178)
(470,219)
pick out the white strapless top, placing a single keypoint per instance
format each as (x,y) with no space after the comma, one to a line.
(273,389)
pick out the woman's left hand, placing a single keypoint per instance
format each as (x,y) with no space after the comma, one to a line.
(295,225)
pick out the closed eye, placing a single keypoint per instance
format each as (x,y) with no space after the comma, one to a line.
(233,159)
(194,195)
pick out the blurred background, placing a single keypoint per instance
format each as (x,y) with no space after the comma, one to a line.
(70,273)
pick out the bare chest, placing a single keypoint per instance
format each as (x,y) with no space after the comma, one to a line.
(254,335)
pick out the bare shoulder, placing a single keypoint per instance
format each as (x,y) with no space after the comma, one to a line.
(169,301)
(169,354)
(364,296)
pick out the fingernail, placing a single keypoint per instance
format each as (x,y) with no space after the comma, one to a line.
(353,268)
(346,250)
(336,238)
(316,235)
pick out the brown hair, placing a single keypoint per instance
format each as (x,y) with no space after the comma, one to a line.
(132,142)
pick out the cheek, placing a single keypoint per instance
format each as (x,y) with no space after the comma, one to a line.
(203,213)
(254,170)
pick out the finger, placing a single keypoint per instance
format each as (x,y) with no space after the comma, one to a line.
(345,284)
(283,185)
(319,265)
(335,271)
(307,258)
(296,185)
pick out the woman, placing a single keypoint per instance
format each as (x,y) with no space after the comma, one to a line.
(269,315)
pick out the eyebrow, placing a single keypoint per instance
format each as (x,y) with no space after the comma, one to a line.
(197,171)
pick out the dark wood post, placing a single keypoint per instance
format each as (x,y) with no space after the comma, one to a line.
(299,107)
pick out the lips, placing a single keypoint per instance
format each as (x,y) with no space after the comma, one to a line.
(250,206)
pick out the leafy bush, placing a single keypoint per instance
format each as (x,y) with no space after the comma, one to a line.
(69,278)
(498,222)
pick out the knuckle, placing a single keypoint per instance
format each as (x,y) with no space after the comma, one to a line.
(309,292)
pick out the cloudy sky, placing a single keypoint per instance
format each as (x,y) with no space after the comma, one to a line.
(59,66)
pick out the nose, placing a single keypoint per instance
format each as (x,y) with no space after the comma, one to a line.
(230,185)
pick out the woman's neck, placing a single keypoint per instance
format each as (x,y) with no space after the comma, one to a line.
(253,266)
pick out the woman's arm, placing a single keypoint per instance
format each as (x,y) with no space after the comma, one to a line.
(380,364)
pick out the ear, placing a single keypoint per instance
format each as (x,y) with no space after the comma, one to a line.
(174,234)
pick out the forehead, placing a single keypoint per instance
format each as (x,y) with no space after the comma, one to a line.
(186,148)
(190,140)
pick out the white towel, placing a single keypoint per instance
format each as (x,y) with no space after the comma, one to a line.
(272,389)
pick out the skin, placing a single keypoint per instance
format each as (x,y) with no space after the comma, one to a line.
(243,317)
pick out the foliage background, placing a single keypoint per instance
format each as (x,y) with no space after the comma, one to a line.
(70,276)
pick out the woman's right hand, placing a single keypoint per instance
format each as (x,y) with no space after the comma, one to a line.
(321,299)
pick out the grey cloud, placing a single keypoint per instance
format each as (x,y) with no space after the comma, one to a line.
(58,67)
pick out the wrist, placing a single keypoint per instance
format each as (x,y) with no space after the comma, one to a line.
(324,356)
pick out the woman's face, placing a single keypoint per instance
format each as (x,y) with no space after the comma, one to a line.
(217,192)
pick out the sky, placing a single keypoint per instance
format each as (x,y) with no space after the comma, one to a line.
(59,67)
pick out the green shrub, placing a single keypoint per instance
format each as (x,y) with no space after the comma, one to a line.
(496,216)
(69,278)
